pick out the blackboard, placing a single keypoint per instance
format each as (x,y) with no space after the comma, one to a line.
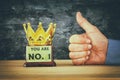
(105,14)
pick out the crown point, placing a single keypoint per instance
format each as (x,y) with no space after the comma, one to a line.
(40,36)
(28,23)
(24,24)
(40,23)
(54,25)
(51,23)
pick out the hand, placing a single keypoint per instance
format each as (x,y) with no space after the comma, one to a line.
(89,47)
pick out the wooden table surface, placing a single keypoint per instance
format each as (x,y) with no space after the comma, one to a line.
(65,70)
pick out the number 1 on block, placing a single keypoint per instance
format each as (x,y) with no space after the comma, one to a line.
(38,53)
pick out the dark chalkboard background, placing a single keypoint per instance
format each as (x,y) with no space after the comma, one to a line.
(105,14)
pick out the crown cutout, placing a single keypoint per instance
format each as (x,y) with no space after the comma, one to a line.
(40,37)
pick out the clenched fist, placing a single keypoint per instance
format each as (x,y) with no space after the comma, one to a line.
(89,47)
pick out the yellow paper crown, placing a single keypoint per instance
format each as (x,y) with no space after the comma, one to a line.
(40,37)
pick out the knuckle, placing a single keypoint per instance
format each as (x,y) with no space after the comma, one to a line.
(74,61)
(71,55)
(87,46)
(72,38)
(78,61)
(69,47)
(72,47)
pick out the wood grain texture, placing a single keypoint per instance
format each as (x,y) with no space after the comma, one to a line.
(14,70)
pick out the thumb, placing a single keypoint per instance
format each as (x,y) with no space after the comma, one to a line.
(87,26)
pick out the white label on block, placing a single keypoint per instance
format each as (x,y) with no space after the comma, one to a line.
(38,53)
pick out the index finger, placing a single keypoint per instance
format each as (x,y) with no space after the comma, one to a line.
(79,39)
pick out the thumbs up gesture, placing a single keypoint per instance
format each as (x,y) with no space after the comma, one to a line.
(89,47)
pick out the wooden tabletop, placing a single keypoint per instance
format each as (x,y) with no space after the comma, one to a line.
(65,70)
